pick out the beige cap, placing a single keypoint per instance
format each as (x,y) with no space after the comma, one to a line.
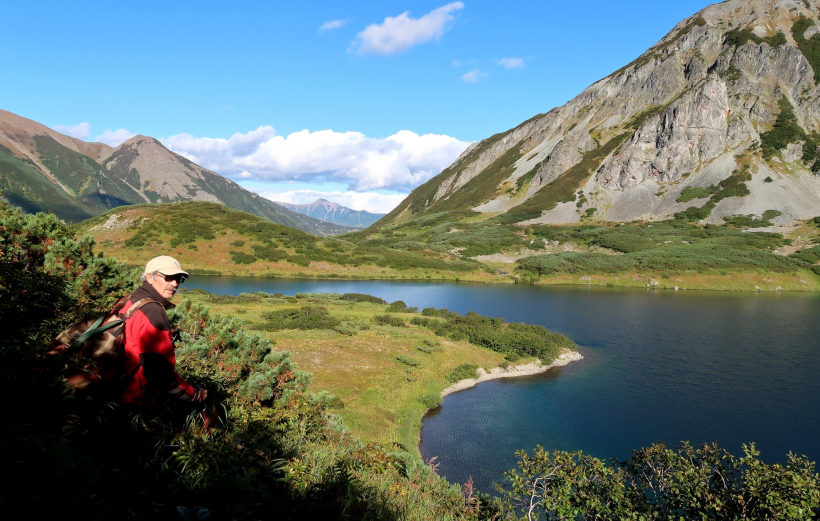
(165,265)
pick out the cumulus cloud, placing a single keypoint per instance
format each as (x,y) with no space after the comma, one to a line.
(368,201)
(115,137)
(80,131)
(512,63)
(473,76)
(397,34)
(333,24)
(399,162)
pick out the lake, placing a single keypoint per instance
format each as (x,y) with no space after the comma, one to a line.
(660,365)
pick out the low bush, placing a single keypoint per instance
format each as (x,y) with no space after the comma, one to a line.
(661,483)
(388,320)
(240,257)
(361,297)
(691,192)
(408,360)
(505,337)
(400,307)
(430,401)
(304,318)
(463,372)
(809,255)
(429,349)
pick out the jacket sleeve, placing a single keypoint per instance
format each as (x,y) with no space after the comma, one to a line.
(157,358)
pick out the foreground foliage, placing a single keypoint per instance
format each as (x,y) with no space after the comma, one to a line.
(265,446)
(262,445)
(661,483)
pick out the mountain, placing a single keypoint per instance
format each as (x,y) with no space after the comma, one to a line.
(718,119)
(41,169)
(328,211)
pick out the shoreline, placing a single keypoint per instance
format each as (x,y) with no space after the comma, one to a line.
(506,281)
(497,373)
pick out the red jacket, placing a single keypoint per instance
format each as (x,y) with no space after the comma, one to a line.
(149,353)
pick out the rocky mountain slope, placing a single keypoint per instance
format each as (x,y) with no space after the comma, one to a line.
(41,169)
(718,119)
(328,211)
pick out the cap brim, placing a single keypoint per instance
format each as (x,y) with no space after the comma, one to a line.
(173,271)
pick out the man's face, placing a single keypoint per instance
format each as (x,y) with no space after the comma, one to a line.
(166,285)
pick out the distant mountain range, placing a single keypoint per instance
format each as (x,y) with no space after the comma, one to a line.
(43,170)
(331,212)
(721,118)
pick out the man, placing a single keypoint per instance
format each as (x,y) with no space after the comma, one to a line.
(149,348)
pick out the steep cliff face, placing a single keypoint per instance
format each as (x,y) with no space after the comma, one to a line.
(43,170)
(733,88)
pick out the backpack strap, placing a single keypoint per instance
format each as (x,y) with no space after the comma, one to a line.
(136,307)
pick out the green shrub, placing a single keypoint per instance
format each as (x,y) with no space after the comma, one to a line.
(238,243)
(268,253)
(361,297)
(787,130)
(430,401)
(463,372)
(505,337)
(809,255)
(739,37)
(240,257)
(388,320)
(408,360)
(304,318)
(429,349)
(422,321)
(433,312)
(691,192)
(687,483)
(400,307)
(811,47)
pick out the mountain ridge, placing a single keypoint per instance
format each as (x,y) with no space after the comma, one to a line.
(329,211)
(691,112)
(44,170)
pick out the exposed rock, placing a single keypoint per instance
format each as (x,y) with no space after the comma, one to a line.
(685,109)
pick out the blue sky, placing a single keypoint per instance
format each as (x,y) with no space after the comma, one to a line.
(196,74)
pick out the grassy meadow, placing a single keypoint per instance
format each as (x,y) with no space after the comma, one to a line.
(385,369)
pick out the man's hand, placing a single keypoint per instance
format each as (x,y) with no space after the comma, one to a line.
(200,394)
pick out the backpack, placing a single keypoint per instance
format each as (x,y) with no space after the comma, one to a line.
(95,345)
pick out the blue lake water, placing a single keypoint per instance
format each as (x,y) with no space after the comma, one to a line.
(660,365)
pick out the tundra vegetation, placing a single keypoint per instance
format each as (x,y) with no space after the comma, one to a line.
(273,442)
(736,255)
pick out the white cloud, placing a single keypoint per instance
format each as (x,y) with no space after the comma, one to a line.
(456,63)
(114,137)
(398,34)
(399,162)
(333,24)
(368,201)
(474,76)
(80,131)
(512,63)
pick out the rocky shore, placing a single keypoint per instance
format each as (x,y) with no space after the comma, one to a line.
(513,371)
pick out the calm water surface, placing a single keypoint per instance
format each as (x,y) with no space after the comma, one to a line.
(660,365)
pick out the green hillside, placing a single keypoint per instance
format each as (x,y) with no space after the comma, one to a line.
(212,238)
